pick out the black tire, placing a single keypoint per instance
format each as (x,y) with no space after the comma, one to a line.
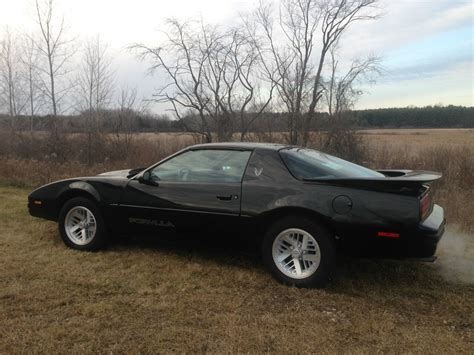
(99,240)
(325,242)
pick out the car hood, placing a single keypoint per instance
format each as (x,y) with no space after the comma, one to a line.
(127,173)
(116,173)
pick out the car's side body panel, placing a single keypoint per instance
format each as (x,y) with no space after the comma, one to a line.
(350,208)
(105,191)
(180,205)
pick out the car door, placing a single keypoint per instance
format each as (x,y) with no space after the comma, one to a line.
(195,190)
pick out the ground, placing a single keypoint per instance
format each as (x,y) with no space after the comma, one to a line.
(159,295)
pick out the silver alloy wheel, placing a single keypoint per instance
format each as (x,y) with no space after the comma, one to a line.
(296,253)
(80,225)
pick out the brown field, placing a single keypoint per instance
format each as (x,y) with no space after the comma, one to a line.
(415,139)
(173,296)
(191,295)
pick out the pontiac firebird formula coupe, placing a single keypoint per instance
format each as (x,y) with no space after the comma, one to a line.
(303,203)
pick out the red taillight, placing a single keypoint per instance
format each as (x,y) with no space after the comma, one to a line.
(388,234)
(425,205)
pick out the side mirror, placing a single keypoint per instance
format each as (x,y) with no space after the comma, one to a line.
(134,172)
(147,180)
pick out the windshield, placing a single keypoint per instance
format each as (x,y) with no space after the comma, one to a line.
(308,164)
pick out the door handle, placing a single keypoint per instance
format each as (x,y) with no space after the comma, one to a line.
(224,198)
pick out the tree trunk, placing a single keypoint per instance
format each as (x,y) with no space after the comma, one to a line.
(314,101)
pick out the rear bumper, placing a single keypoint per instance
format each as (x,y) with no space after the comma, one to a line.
(425,239)
(419,241)
(433,226)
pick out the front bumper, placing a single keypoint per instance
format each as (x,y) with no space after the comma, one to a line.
(42,208)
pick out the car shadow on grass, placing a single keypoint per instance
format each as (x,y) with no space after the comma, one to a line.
(352,275)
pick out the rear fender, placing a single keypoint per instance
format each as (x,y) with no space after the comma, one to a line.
(271,216)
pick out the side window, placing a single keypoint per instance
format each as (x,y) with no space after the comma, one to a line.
(207,165)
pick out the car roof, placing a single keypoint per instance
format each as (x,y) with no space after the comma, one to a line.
(239,145)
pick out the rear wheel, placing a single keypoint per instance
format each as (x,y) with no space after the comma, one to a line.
(81,226)
(299,252)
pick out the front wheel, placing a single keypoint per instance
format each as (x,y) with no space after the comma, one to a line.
(299,252)
(81,225)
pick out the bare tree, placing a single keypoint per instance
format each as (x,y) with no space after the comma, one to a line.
(337,18)
(11,83)
(287,61)
(129,108)
(230,76)
(340,94)
(30,62)
(184,70)
(95,84)
(56,51)
(211,78)
(299,74)
(340,91)
(95,81)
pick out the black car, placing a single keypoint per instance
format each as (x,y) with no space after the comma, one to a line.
(303,203)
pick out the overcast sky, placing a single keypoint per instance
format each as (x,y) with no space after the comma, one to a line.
(426,45)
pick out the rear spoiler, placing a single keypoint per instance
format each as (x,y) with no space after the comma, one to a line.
(394,180)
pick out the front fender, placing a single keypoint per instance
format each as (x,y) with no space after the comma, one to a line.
(83,186)
(46,201)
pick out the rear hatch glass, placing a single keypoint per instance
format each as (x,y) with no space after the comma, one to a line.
(307,164)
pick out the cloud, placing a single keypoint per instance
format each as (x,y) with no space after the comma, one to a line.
(426,44)
(405,22)
(428,57)
(427,51)
(450,86)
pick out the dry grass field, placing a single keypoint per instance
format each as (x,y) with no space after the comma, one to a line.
(194,295)
(190,296)
(416,139)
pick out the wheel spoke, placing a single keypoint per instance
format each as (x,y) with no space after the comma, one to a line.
(75,228)
(311,257)
(283,256)
(90,218)
(297,265)
(289,240)
(304,244)
(76,217)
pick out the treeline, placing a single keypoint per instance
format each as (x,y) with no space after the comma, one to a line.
(106,121)
(112,121)
(426,117)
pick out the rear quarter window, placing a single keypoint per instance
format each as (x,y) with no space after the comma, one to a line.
(308,164)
